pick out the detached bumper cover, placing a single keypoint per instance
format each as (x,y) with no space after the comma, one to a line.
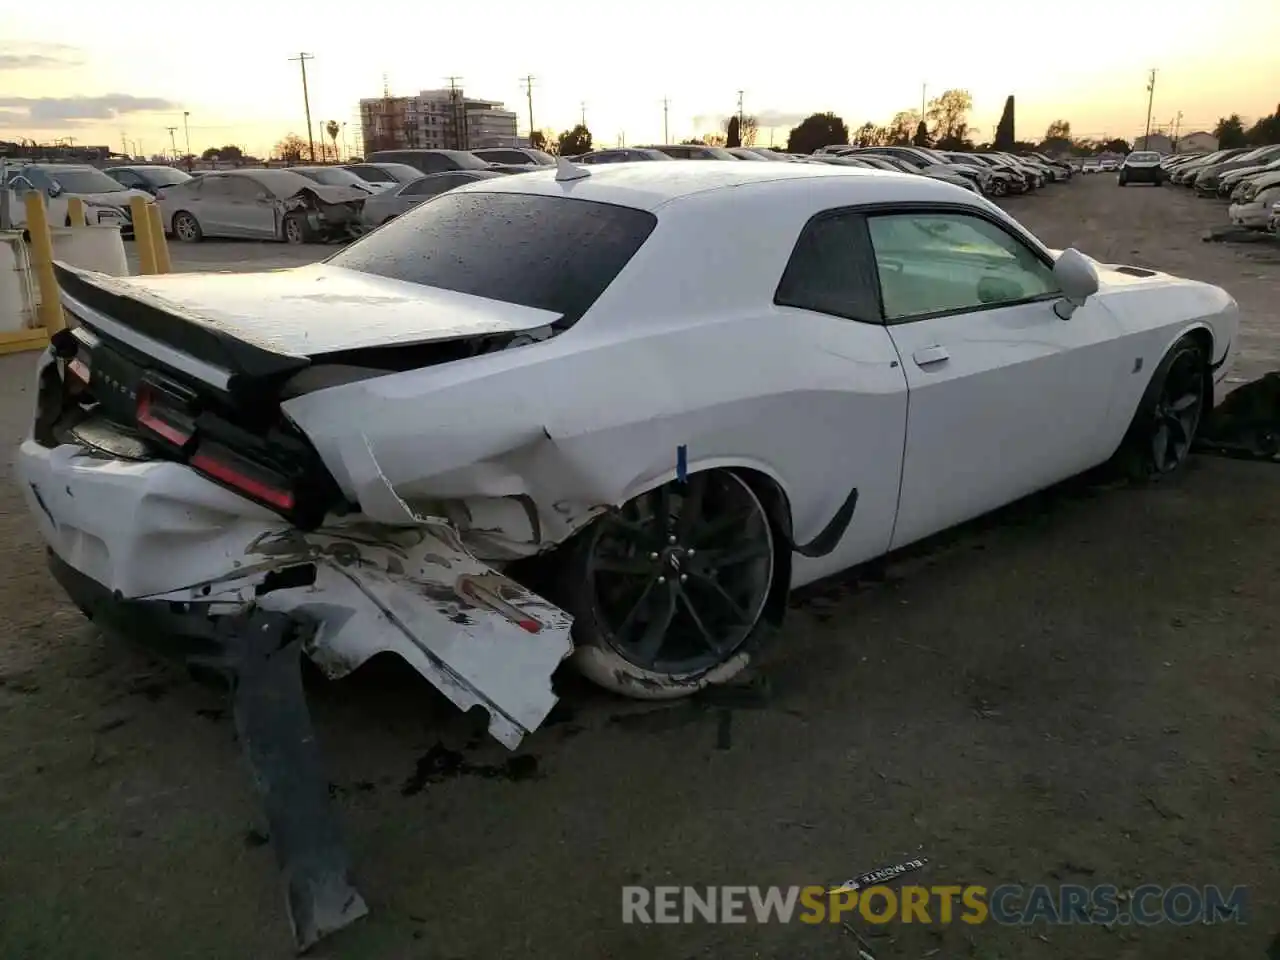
(157,531)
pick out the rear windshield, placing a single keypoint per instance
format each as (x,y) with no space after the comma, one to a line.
(552,253)
(1144,157)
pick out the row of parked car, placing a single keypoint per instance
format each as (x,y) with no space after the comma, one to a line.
(991,174)
(303,204)
(1248,177)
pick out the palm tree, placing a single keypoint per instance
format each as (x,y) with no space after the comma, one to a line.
(332,128)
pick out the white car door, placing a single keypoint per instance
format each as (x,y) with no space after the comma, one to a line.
(1004,397)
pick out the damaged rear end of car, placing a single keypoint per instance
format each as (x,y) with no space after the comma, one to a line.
(180,501)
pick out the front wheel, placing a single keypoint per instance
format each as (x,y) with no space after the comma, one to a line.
(1159,440)
(998,188)
(295,229)
(669,592)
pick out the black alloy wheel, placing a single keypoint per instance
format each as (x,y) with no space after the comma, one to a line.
(678,578)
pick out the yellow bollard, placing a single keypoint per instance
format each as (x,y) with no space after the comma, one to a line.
(142,236)
(75,212)
(158,241)
(50,310)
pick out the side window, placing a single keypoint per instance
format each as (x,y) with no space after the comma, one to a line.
(242,188)
(372,174)
(830,270)
(213,188)
(127,178)
(425,187)
(434,163)
(930,263)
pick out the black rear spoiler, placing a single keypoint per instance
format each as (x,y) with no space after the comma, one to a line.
(142,318)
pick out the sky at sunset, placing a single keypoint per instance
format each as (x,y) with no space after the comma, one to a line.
(92,73)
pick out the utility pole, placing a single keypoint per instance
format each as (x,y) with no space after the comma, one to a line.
(459,114)
(302,59)
(583,106)
(124,143)
(1151,96)
(924,94)
(666,106)
(186,132)
(528,92)
(172,142)
(739,114)
(1177,125)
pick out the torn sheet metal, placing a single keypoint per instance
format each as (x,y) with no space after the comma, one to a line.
(478,636)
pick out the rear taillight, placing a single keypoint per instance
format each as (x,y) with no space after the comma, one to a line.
(157,415)
(253,481)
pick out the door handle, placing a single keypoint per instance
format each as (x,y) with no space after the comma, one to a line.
(927,356)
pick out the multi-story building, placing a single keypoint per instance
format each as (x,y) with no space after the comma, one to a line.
(435,119)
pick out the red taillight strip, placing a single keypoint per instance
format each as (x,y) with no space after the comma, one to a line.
(250,486)
(153,422)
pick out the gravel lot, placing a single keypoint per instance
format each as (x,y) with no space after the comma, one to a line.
(1083,688)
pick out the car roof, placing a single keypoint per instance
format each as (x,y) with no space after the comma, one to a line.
(648,186)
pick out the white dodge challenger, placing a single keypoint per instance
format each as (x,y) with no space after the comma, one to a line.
(611,415)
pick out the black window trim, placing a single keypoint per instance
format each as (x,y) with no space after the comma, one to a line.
(866,257)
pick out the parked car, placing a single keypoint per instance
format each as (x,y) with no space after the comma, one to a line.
(1233,179)
(1252,208)
(1274,225)
(260,205)
(339,177)
(1062,169)
(1004,178)
(1187,172)
(1109,164)
(1206,179)
(388,176)
(389,205)
(431,161)
(621,155)
(149,178)
(1091,165)
(106,200)
(1141,166)
(746,153)
(378,454)
(516,156)
(921,160)
(690,151)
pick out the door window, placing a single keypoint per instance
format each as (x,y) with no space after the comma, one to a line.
(214,188)
(242,188)
(934,263)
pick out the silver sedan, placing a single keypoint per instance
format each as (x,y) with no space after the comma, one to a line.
(389,205)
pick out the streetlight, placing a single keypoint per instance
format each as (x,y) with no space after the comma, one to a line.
(186,132)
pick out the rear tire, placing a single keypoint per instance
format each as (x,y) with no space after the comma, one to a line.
(187,228)
(1160,438)
(669,593)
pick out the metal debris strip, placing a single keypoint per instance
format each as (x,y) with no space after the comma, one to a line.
(1246,425)
(880,876)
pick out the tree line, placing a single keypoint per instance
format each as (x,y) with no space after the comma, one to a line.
(945,125)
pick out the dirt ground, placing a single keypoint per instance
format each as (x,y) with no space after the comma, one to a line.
(1083,689)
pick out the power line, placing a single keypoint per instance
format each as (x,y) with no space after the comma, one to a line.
(302,59)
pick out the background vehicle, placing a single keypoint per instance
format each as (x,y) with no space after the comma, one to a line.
(386,206)
(385,175)
(1251,207)
(1091,165)
(1208,175)
(260,205)
(621,155)
(517,156)
(148,178)
(106,200)
(686,151)
(431,161)
(338,177)
(1141,166)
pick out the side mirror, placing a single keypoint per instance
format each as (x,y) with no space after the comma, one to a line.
(55,189)
(1078,280)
